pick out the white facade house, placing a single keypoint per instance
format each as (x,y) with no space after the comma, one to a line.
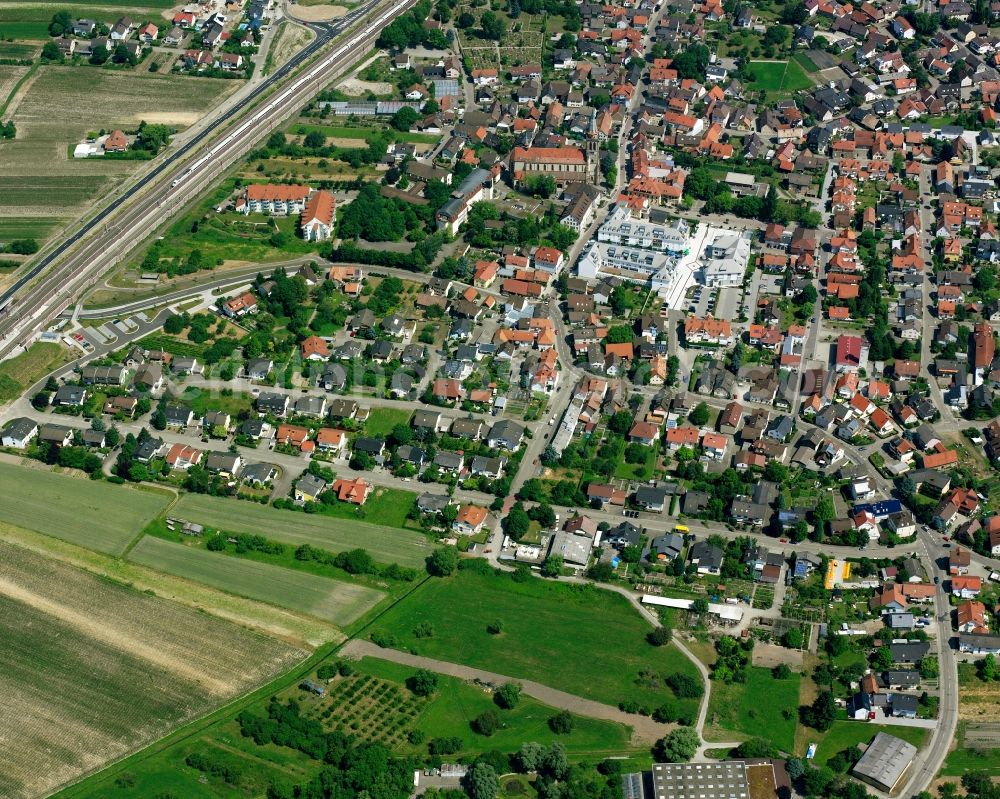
(725,258)
(274,199)
(635,249)
(625,230)
(318,216)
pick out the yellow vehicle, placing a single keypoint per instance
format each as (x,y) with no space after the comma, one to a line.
(680,528)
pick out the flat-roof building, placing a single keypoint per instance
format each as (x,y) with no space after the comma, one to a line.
(573,549)
(635,249)
(725,780)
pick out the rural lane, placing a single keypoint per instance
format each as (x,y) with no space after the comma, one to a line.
(644,729)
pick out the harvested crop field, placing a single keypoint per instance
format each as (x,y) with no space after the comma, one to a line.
(95,515)
(91,670)
(319,12)
(39,159)
(385,544)
(332,600)
(9,76)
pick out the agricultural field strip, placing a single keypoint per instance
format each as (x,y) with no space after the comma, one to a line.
(91,669)
(386,544)
(333,600)
(286,625)
(95,515)
(88,100)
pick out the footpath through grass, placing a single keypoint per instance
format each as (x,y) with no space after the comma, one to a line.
(577,638)
(456,703)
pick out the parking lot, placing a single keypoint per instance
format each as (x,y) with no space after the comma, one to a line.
(728,304)
(700,300)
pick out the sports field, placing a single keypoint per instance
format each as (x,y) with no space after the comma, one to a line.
(332,600)
(580,639)
(778,77)
(755,708)
(91,670)
(92,514)
(386,544)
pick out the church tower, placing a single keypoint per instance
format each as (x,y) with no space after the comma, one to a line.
(593,149)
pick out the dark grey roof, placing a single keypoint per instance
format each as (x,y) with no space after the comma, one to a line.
(373,446)
(908,651)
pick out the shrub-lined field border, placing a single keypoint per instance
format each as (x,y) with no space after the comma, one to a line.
(335,601)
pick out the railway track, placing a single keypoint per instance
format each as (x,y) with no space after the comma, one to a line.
(74,265)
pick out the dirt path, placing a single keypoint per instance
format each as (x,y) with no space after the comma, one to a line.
(644,729)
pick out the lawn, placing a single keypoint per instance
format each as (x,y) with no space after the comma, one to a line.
(456,703)
(845,734)
(387,507)
(380,421)
(165,773)
(632,471)
(386,544)
(203,401)
(91,670)
(778,77)
(21,372)
(332,600)
(236,238)
(89,513)
(580,639)
(756,708)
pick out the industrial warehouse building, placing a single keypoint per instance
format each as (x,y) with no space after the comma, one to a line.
(885,762)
